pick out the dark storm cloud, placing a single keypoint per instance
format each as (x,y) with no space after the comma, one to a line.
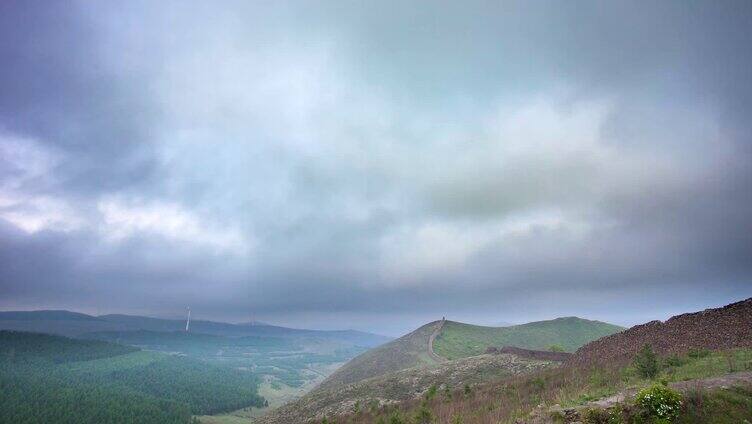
(384,163)
(57,87)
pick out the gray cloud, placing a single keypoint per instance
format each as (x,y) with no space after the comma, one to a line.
(378,164)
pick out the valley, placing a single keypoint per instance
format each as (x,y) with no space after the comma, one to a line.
(560,370)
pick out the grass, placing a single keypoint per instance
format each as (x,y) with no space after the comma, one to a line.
(720,406)
(605,382)
(458,340)
(410,350)
(516,397)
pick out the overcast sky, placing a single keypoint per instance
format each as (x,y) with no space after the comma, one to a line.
(376,164)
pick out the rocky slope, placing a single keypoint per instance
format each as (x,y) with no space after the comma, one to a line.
(399,386)
(714,329)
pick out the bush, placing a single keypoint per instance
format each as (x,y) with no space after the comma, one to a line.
(673,361)
(555,348)
(396,418)
(698,353)
(423,415)
(660,403)
(646,362)
(431,393)
(595,416)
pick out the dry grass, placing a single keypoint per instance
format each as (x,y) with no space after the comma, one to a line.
(516,397)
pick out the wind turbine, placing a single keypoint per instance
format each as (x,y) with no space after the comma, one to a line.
(188,321)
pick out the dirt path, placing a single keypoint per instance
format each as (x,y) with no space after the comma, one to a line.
(683,386)
(435,333)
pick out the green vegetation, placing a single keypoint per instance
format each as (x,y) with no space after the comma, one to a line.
(660,403)
(22,347)
(207,388)
(410,350)
(287,360)
(646,362)
(47,378)
(555,348)
(720,406)
(458,340)
(516,397)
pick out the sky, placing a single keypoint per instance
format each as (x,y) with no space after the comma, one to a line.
(376,165)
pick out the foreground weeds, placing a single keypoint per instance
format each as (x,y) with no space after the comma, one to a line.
(514,398)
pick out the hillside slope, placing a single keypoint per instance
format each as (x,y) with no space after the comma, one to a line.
(458,340)
(410,350)
(714,329)
(401,386)
(46,378)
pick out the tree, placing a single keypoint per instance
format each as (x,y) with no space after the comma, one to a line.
(646,362)
(423,415)
(556,348)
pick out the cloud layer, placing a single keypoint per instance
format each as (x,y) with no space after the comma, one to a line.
(374,165)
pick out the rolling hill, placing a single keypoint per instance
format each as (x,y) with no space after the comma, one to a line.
(458,340)
(442,353)
(47,378)
(410,350)
(74,324)
(706,356)
(401,386)
(454,340)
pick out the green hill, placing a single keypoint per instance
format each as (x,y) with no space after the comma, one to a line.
(24,347)
(458,340)
(410,350)
(45,379)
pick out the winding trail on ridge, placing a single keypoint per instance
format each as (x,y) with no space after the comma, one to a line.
(435,334)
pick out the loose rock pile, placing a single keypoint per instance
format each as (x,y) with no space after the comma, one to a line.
(720,328)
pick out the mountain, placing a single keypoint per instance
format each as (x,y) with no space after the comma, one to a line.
(713,329)
(458,340)
(706,356)
(402,386)
(75,324)
(446,354)
(408,351)
(45,316)
(64,323)
(439,341)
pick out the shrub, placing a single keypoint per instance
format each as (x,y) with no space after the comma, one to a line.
(431,393)
(673,361)
(396,418)
(556,348)
(698,353)
(660,403)
(423,415)
(595,416)
(646,362)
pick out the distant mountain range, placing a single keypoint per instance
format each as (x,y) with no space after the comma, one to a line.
(74,324)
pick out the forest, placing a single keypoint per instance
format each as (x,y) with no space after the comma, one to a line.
(47,378)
